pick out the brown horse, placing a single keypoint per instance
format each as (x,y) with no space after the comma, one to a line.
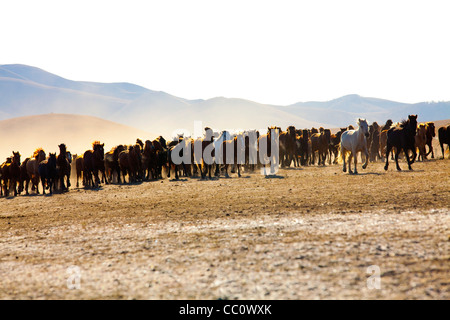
(444,138)
(421,141)
(374,142)
(402,137)
(430,133)
(237,148)
(11,174)
(149,161)
(63,167)
(79,165)
(320,142)
(128,160)
(14,171)
(24,177)
(4,175)
(32,169)
(93,162)
(287,146)
(112,163)
(204,153)
(333,149)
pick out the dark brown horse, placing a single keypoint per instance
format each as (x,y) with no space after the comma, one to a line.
(4,176)
(48,173)
(128,160)
(160,147)
(287,147)
(79,165)
(374,142)
(32,169)
(444,138)
(10,172)
(402,137)
(421,141)
(204,153)
(237,157)
(63,167)
(112,163)
(333,148)
(320,143)
(93,162)
(430,133)
(24,177)
(149,160)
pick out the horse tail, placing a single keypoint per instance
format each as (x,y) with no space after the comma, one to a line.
(341,154)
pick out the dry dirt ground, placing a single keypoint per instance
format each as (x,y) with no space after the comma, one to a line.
(308,233)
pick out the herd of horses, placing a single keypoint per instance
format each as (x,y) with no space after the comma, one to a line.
(147,160)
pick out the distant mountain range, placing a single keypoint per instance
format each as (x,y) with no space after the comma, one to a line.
(26,90)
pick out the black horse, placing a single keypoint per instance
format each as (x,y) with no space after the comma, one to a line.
(63,162)
(444,138)
(401,137)
(93,162)
(48,173)
(112,163)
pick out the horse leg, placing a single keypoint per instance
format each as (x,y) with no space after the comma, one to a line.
(388,150)
(350,157)
(61,183)
(396,161)
(355,171)
(413,158)
(367,158)
(408,160)
(344,168)
(226,170)
(43,185)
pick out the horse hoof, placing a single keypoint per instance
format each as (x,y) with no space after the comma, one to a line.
(385,168)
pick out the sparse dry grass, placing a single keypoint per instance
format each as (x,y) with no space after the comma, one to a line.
(310,233)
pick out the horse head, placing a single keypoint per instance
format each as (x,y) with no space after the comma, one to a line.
(364,127)
(16,158)
(431,128)
(412,118)
(62,148)
(52,159)
(291,131)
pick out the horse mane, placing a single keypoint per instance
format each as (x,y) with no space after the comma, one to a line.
(36,152)
(95,143)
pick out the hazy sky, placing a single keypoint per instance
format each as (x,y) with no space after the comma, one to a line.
(278,52)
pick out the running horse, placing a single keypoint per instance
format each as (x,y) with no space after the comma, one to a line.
(32,169)
(236,147)
(402,137)
(63,162)
(48,173)
(265,151)
(93,162)
(421,141)
(10,172)
(355,141)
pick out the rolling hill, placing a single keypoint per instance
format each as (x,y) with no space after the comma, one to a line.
(26,91)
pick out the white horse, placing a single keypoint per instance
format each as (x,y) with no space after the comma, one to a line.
(355,141)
